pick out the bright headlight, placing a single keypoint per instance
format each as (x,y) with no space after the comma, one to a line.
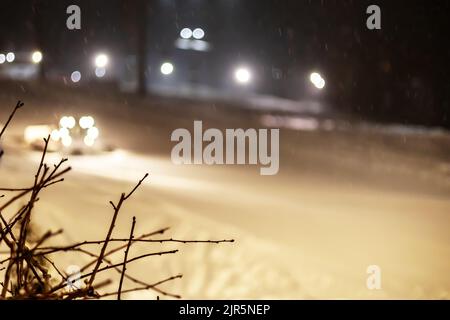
(66,141)
(55,135)
(186,33)
(89,141)
(86,122)
(93,133)
(63,132)
(198,33)
(67,122)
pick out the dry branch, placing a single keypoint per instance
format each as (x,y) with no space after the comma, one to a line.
(25,269)
(124,268)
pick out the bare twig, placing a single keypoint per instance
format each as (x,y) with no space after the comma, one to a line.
(124,268)
(26,274)
(50,250)
(19,105)
(117,207)
(151,286)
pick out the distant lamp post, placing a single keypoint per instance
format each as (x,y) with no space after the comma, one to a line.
(10,57)
(75,76)
(242,75)
(317,80)
(36,57)
(100,72)
(167,68)
(101,60)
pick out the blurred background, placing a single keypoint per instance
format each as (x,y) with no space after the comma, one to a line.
(364,142)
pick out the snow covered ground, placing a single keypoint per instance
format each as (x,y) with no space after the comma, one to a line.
(347,196)
(296,240)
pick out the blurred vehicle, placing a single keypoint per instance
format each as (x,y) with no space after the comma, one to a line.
(70,135)
(23,65)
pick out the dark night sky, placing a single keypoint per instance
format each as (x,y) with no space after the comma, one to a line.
(399,73)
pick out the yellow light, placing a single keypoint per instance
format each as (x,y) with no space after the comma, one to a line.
(93,133)
(317,80)
(66,141)
(64,132)
(36,57)
(55,135)
(86,122)
(67,122)
(36,133)
(101,60)
(89,141)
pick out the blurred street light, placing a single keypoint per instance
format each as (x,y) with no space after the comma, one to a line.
(67,122)
(242,75)
(101,60)
(2,58)
(10,57)
(167,68)
(75,76)
(36,57)
(317,80)
(100,72)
